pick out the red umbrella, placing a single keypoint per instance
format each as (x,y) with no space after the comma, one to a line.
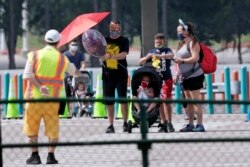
(79,25)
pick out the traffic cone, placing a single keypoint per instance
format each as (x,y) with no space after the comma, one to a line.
(99,108)
(66,113)
(12,108)
(119,113)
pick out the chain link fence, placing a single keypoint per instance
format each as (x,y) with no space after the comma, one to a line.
(83,141)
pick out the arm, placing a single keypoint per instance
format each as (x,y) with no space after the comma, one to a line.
(166,56)
(119,56)
(143,60)
(30,76)
(83,65)
(71,69)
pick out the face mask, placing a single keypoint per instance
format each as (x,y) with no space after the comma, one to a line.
(159,46)
(114,34)
(73,48)
(180,37)
(144,84)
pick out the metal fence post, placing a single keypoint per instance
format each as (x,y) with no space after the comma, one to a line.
(209,89)
(177,96)
(20,94)
(243,87)
(144,130)
(227,89)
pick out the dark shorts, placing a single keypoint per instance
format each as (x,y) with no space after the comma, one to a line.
(115,82)
(193,83)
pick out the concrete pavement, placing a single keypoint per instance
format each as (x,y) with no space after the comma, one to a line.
(219,154)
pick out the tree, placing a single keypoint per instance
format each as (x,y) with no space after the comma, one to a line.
(12,19)
(232,21)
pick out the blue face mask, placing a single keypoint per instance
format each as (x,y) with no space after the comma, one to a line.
(180,37)
(114,34)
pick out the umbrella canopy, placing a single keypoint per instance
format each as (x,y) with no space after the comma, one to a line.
(79,25)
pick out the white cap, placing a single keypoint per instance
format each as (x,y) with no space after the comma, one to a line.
(52,36)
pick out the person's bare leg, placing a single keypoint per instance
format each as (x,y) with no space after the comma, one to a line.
(162,114)
(33,140)
(164,121)
(51,149)
(124,109)
(197,107)
(110,110)
(168,112)
(190,108)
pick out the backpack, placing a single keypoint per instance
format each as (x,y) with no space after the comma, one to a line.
(208,60)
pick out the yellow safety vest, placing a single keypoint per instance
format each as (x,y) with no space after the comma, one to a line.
(49,67)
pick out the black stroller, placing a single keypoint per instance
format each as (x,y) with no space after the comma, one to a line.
(81,108)
(156,83)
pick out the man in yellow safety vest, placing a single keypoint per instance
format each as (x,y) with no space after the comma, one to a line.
(44,72)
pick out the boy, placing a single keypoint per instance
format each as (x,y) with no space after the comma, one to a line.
(160,58)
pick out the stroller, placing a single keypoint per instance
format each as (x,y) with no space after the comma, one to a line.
(83,82)
(156,83)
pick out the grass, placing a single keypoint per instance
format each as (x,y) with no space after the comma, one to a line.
(35,42)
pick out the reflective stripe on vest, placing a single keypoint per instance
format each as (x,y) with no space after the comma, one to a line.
(45,78)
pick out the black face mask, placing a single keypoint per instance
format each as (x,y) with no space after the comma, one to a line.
(180,37)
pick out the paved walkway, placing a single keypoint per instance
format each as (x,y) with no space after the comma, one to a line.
(186,154)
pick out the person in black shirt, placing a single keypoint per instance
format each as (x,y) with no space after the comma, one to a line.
(115,73)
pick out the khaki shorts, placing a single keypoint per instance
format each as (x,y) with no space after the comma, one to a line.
(33,115)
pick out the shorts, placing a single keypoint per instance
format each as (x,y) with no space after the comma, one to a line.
(194,83)
(115,82)
(33,115)
(166,89)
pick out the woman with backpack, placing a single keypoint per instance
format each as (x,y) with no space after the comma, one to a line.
(189,74)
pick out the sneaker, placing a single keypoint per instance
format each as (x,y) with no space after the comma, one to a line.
(51,159)
(187,128)
(82,112)
(171,127)
(110,129)
(163,127)
(33,160)
(125,127)
(198,128)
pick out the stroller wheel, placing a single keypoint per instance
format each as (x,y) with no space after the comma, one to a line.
(130,126)
(82,112)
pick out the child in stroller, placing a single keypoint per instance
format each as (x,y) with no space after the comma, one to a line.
(146,83)
(81,91)
(145,91)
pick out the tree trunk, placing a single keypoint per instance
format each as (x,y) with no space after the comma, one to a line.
(114,9)
(94,61)
(239,48)
(165,18)
(11,40)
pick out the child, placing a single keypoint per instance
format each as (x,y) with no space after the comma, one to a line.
(160,58)
(82,108)
(145,92)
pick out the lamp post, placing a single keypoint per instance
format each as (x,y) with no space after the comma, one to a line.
(149,24)
(25,47)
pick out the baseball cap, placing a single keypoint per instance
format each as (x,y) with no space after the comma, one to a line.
(52,36)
